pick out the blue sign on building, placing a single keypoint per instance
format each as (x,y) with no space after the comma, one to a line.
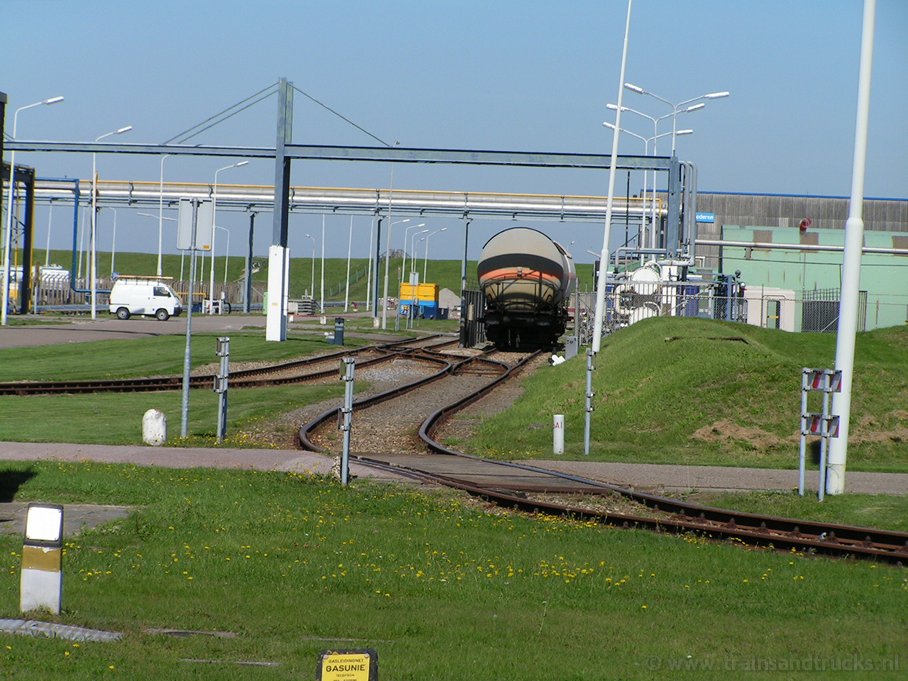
(706,217)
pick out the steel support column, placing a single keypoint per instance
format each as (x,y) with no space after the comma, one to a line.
(276,324)
(670,239)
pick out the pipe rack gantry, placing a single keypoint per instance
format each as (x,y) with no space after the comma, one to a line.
(370,201)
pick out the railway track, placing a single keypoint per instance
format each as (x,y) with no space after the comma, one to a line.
(294,371)
(402,423)
(537,490)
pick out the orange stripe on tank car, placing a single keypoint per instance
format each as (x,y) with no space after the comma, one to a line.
(513,274)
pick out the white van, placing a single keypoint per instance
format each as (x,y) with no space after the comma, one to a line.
(151,296)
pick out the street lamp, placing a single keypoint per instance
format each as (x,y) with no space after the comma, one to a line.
(312,285)
(321,303)
(403,267)
(113,242)
(214,210)
(384,304)
(93,265)
(226,251)
(50,221)
(676,108)
(161,215)
(161,219)
(7,240)
(413,248)
(425,262)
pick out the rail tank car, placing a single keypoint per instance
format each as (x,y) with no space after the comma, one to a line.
(527,280)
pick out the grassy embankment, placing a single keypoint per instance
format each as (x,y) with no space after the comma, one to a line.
(703,392)
(287,565)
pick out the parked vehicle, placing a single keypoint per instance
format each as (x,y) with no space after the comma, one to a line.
(149,296)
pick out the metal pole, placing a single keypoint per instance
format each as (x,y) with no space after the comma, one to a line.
(221,384)
(369,266)
(247,296)
(463,282)
(160,271)
(851,269)
(187,353)
(802,454)
(321,301)
(349,367)
(607,230)
(824,443)
(376,273)
(92,267)
(349,249)
(589,401)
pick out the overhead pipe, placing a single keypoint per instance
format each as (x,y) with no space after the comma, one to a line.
(798,247)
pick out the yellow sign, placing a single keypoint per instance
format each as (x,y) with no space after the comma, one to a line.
(347,666)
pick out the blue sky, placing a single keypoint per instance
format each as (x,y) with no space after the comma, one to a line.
(516,75)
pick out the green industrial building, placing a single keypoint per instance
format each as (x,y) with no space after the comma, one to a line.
(790,260)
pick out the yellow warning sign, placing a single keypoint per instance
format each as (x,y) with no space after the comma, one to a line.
(347,666)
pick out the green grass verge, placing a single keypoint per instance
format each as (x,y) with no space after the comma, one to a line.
(157,356)
(692,391)
(294,565)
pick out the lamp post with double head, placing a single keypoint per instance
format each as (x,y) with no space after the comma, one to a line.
(425,262)
(384,302)
(676,108)
(403,267)
(415,264)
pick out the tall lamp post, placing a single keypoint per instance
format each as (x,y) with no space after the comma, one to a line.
(384,302)
(113,242)
(425,262)
(93,264)
(161,219)
(676,108)
(312,285)
(214,210)
(321,303)
(226,251)
(413,248)
(7,240)
(403,267)
(160,272)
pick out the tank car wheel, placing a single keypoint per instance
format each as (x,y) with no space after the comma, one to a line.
(161,315)
(122,313)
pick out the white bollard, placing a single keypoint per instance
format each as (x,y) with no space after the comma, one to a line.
(154,428)
(41,580)
(558,434)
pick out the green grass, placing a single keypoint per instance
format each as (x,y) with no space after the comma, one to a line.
(116,418)
(693,391)
(294,565)
(157,356)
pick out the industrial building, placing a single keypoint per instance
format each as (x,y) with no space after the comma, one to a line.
(789,252)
